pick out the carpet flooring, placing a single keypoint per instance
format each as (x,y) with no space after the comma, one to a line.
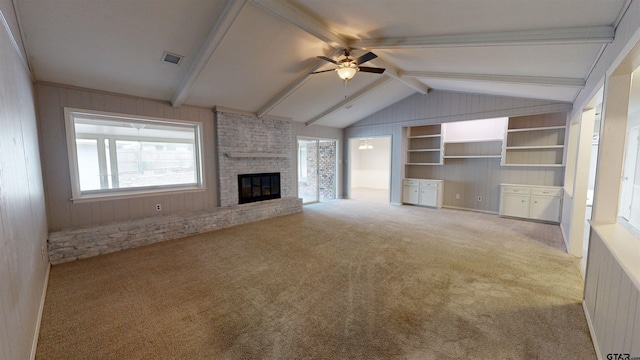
(341,280)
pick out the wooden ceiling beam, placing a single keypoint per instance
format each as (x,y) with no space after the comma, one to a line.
(304,21)
(513,79)
(583,35)
(349,100)
(223,23)
(294,85)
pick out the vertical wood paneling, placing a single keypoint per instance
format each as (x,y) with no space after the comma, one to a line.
(611,299)
(634,335)
(23,219)
(65,214)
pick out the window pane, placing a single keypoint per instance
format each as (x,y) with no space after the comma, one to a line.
(88,164)
(117,152)
(142,163)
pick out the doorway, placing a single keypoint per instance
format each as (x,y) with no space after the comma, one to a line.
(370,169)
(317,169)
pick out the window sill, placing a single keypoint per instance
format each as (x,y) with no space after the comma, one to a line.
(134,194)
(623,245)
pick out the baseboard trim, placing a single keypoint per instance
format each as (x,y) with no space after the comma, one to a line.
(467,209)
(565,239)
(592,331)
(34,343)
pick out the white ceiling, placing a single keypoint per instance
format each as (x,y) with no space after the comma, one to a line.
(255,55)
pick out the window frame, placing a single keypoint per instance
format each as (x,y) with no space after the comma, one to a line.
(77,195)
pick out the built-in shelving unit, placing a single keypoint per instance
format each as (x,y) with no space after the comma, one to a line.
(480,149)
(530,142)
(424,145)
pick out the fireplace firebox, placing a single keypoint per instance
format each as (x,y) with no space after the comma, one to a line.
(258,187)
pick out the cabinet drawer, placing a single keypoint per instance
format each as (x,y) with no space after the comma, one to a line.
(515,190)
(429,183)
(410,182)
(546,192)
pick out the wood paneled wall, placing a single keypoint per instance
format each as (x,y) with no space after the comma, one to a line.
(63,214)
(23,222)
(611,301)
(443,107)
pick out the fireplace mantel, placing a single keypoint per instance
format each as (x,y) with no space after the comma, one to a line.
(255,155)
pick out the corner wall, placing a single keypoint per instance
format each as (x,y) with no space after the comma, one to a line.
(23,222)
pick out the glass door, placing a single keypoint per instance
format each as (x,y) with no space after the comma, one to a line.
(317,171)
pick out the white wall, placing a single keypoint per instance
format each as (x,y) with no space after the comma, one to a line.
(370,168)
(23,227)
(611,289)
(475,130)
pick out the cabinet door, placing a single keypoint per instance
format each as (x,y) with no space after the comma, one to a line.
(429,195)
(410,194)
(545,208)
(516,205)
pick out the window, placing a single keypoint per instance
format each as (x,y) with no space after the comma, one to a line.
(113,155)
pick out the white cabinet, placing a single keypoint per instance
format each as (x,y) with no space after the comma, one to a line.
(515,205)
(411,191)
(545,205)
(531,202)
(422,192)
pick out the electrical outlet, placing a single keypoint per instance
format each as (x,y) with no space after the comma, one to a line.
(43,252)
(457,196)
(158,207)
(479,198)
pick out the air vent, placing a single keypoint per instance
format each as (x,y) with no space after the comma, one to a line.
(172,58)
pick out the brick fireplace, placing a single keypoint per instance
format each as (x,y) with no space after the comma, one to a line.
(249,145)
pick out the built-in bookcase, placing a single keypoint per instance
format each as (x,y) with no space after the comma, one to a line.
(487,149)
(473,161)
(424,145)
(532,141)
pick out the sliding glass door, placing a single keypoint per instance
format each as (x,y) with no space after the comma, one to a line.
(317,170)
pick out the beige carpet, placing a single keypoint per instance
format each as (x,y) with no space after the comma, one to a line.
(342,280)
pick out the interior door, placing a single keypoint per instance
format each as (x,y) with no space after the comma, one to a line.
(630,158)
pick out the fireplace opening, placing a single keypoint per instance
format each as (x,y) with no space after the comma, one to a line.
(258,187)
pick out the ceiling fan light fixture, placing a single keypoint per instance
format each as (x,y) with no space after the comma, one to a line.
(347,71)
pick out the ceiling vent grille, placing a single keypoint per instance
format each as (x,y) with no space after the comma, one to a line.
(172,58)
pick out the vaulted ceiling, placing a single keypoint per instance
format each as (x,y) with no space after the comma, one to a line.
(256,55)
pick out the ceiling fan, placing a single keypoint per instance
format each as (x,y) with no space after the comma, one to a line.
(348,67)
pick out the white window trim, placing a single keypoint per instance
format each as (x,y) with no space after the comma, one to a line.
(112,194)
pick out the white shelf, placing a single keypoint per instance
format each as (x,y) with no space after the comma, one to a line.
(535,165)
(423,150)
(424,136)
(472,141)
(419,164)
(473,157)
(534,147)
(538,128)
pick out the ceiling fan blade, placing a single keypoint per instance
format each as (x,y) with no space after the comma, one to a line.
(371,69)
(327,59)
(318,72)
(366,57)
